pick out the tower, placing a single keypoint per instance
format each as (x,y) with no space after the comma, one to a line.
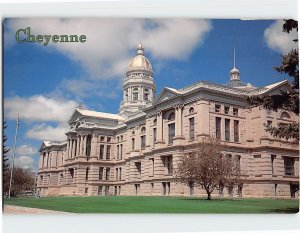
(138,86)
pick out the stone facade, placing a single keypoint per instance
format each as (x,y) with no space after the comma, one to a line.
(136,152)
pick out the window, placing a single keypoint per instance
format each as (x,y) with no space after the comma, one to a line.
(121,138)
(238,162)
(146,96)
(107,173)
(102,138)
(137,189)
(106,190)
(118,152)
(108,152)
(151,167)
(235,111)
(227,130)
(87,174)
(101,169)
(269,123)
(119,190)
(171,116)
(272,163)
(166,188)
(121,151)
(191,110)
(108,139)
(218,127)
(240,190)
(275,189)
(151,187)
(155,121)
(226,110)
(120,173)
(168,162)
(132,143)
(236,131)
(289,166)
(217,108)
(117,173)
(101,151)
(86,190)
(143,130)
(138,168)
(192,128)
(88,146)
(154,135)
(143,141)
(135,96)
(171,132)
(100,190)
(116,190)
(285,115)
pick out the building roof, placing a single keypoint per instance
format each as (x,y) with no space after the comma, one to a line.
(100,114)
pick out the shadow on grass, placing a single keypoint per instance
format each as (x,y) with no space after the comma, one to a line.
(285,211)
(212,200)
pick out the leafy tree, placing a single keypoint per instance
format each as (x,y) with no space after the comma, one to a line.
(23,180)
(288,100)
(5,164)
(206,166)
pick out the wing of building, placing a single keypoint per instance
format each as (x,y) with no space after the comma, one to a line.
(136,151)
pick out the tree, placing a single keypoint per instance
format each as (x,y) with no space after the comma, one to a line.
(288,100)
(204,165)
(5,164)
(22,181)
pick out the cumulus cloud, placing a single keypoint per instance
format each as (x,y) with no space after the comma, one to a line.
(25,162)
(47,132)
(110,41)
(39,108)
(26,150)
(279,40)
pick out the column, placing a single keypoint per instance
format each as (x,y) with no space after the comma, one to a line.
(73,148)
(178,124)
(84,145)
(68,148)
(78,146)
(159,127)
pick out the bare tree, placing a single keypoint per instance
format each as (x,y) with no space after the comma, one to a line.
(204,165)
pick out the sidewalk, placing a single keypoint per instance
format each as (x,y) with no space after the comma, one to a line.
(12,209)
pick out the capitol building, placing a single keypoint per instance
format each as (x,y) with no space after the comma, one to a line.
(136,151)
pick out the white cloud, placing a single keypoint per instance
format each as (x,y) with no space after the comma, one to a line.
(278,40)
(25,162)
(47,132)
(110,41)
(26,150)
(39,108)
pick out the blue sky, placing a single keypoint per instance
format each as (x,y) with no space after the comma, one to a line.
(45,83)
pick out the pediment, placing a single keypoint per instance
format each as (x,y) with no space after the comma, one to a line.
(75,116)
(166,94)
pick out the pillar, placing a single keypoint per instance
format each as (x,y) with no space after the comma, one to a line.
(78,145)
(84,145)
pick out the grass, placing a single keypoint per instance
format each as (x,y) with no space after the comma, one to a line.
(129,204)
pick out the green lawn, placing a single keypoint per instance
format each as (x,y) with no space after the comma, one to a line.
(126,204)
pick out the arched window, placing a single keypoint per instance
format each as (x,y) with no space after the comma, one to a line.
(133,133)
(191,110)
(146,94)
(171,116)
(155,121)
(143,129)
(285,115)
(87,173)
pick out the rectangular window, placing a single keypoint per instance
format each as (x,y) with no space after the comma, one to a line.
(143,141)
(120,173)
(106,190)
(217,108)
(121,151)
(108,139)
(168,162)
(117,173)
(236,131)
(154,135)
(227,130)
(192,128)
(108,152)
(272,163)
(101,169)
(226,110)
(107,173)
(116,190)
(118,152)
(102,138)
(137,189)
(171,132)
(132,143)
(269,123)
(139,169)
(166,188)
(151,187)
(100,190)
(151,167)
(101,151)
(86,190)
(235,111)
(218,127)
(119,190)
(289,166)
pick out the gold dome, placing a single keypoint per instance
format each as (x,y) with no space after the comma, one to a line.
(140,62)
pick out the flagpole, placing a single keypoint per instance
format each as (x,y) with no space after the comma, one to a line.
(13,160)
